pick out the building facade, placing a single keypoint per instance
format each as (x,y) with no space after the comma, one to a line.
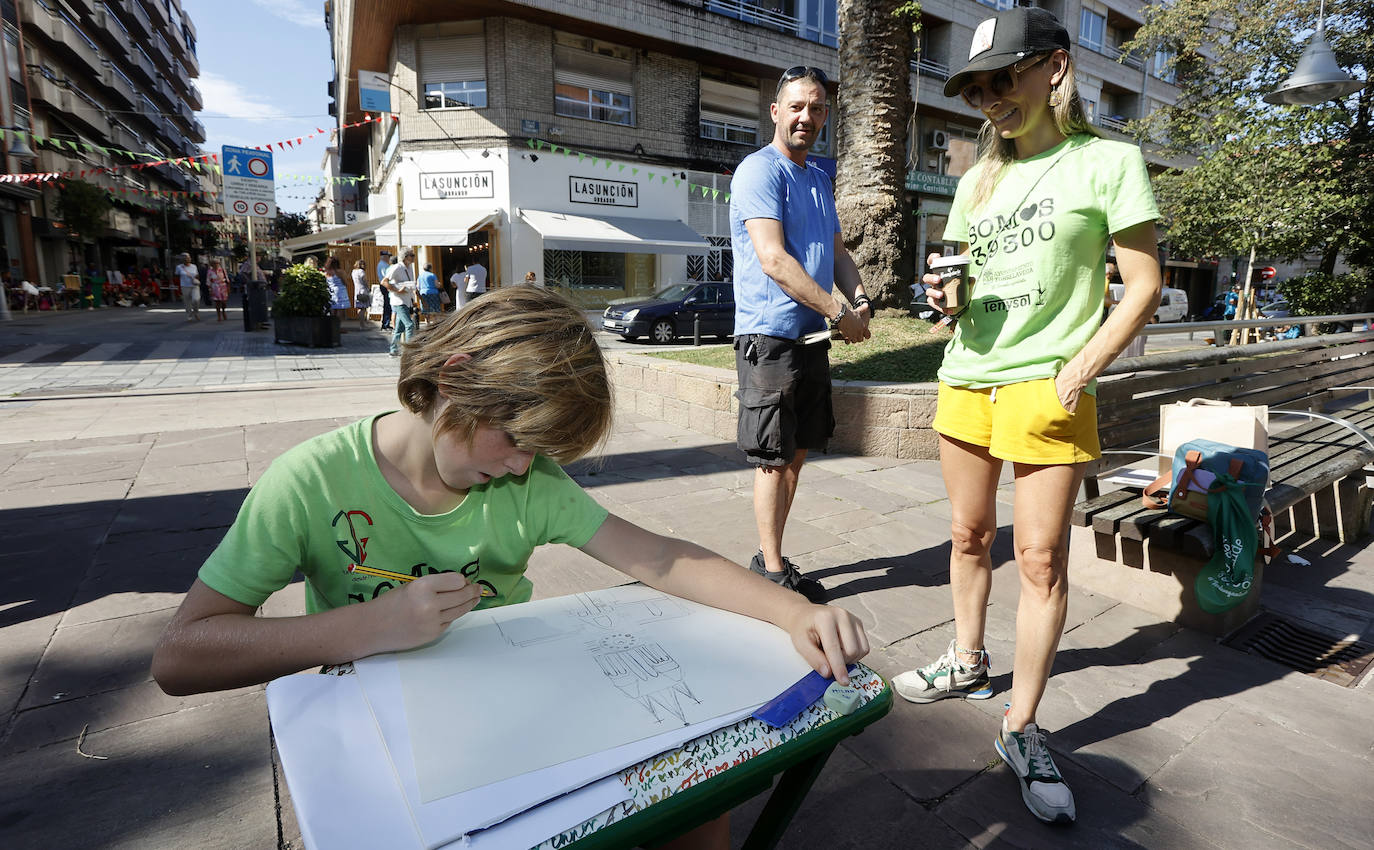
(113,75)
(593,142)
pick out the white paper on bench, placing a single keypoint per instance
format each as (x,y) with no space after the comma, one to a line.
(1199,483)
(336,767)
(491,804)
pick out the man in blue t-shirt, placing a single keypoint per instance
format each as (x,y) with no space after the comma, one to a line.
(789,257)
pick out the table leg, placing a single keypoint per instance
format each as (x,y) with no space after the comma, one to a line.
(783,803)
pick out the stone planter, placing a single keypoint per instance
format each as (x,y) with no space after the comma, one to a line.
(312,331)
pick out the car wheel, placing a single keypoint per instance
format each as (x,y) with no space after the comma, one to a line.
(663,331)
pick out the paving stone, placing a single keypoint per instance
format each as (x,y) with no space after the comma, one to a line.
(199,778)
(1288,797)
(91,658)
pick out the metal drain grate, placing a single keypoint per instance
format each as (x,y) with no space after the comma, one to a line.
(1341,660)
(307,368)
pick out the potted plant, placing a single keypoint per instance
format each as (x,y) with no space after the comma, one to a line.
(300,313)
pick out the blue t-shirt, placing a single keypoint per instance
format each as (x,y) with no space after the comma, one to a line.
(769,185)
(382,266)
(429,283)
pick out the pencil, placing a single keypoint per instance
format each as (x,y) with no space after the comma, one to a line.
(486,592)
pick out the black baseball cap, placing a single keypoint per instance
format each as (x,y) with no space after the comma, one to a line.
(1008,38)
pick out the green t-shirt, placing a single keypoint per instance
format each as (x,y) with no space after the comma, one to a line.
(324,505)
(1038,249)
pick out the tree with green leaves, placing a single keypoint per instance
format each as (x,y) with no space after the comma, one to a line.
(1281,181)
(289,225)
(84,208)
(874,112)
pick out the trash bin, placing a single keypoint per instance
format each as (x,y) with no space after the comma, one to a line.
(254,306)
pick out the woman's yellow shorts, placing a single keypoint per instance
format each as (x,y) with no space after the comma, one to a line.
(1022,423)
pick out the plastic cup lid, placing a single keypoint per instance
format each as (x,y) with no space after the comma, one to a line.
(946,262)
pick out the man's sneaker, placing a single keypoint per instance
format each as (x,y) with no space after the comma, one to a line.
(1042,788)
(946,677)
(790,577)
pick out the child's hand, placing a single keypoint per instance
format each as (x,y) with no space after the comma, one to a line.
(418,612)
(829,638)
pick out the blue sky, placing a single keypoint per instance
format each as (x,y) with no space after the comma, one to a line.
(264,68)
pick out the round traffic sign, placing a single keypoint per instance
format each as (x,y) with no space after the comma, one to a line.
(259,208)
(258,167)
(241,207)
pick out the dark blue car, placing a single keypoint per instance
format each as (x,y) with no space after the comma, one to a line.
(673,311)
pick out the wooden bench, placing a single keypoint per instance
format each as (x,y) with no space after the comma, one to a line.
(1317,465)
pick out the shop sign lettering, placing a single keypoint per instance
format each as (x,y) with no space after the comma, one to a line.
(607,193)
(442,185)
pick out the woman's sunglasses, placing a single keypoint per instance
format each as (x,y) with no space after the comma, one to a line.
(1003,81)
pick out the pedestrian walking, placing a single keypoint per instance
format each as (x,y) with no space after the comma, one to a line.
(218,281)
(338,290)
(476,280)
(188,277)
(1017,381)
(362,298)
(400,283)
(789,257)
(383,265)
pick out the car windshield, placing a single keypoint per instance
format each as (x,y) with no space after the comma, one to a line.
(676,292)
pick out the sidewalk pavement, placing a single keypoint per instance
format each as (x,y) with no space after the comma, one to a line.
(1167,738)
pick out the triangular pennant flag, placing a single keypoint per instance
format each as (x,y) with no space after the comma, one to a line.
(298,140)
(663,178)
(676,182)
(649,174)
(581,156)
(595,162)
(634,170)
(86,146)
(530,143)
(318,130)
(608,165)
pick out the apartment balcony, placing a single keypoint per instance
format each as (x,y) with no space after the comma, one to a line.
(134,17)
(162,53)
(68,40)
(89,113)
(45,90)
(143,66)
(192,63)
(775,15)
(197,130)
(930,68)
(168,130)
(167,93)
(124,138)
(109,27)
(119,84)
(158,12)
(193,96)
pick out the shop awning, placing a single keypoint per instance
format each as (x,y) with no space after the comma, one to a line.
(567,232)
(347,233)
(436,227)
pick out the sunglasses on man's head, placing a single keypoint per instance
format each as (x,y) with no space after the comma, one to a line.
(1002,82)
(796,72)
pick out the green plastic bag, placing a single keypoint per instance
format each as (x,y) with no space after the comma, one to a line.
(1225,581)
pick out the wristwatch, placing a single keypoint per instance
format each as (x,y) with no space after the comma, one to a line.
(835,322)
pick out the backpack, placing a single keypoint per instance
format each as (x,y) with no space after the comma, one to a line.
(1223,486)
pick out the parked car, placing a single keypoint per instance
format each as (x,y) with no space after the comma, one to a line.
(1275,310)
(672,312)
(1173,303)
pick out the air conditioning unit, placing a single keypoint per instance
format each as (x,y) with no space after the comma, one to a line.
(938,140)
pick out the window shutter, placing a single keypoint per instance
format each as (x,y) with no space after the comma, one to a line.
(580,68)
(455,59)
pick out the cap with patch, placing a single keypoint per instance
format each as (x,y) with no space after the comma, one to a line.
(1007,39)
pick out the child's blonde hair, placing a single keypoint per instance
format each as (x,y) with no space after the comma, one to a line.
(536,373)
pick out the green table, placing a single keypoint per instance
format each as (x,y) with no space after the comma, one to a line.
(679,790)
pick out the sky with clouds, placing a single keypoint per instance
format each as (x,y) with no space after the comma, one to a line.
(264,69)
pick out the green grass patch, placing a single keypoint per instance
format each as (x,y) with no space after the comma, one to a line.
(902,350)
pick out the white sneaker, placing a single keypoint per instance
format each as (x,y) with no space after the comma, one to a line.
(1042,788)
(946,677)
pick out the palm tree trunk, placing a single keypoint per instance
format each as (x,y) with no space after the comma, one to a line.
(873,114)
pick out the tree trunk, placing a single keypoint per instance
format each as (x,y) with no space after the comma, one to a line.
(873,114)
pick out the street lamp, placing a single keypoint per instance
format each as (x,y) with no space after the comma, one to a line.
(1318,77)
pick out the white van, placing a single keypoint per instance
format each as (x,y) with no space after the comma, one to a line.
(1173,303)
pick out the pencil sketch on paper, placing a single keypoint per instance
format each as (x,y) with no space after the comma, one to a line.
(641,670)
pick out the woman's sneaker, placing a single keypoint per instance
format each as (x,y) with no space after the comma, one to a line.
(791,578)
(1042,788)
(946,677)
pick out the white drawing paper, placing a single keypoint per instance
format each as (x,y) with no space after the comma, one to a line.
(507,691)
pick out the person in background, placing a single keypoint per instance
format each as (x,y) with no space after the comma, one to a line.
(95,279)
(530,279)
(459,280)
(362,297)
(383,265)
(428,289)
(400,283)
(188,277)
(338,290)
(218,281)
(1017,382)
(476,279)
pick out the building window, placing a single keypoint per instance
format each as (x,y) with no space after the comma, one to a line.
(729,108)
(1163,69)
(593,80)
(1092,28)
(588,269)
(1001,5)
(453,72)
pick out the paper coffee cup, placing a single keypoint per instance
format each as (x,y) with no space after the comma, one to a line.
(954,280)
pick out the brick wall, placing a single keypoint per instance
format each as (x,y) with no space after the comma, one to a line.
(886,420)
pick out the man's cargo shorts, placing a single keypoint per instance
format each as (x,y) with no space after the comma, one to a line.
(784,398)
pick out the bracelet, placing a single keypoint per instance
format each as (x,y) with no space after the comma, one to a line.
(862,301)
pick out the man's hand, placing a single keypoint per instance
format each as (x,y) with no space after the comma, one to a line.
(419,611)
(854,327)
(829,638)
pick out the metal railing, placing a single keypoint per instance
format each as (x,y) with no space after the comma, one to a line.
(754,14)
(1111,122)
(1131,60)
(931,68)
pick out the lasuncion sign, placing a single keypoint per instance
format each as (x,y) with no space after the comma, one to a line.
(443,185)
(606,193)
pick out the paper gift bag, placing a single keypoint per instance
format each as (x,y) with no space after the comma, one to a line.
(1242,426)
